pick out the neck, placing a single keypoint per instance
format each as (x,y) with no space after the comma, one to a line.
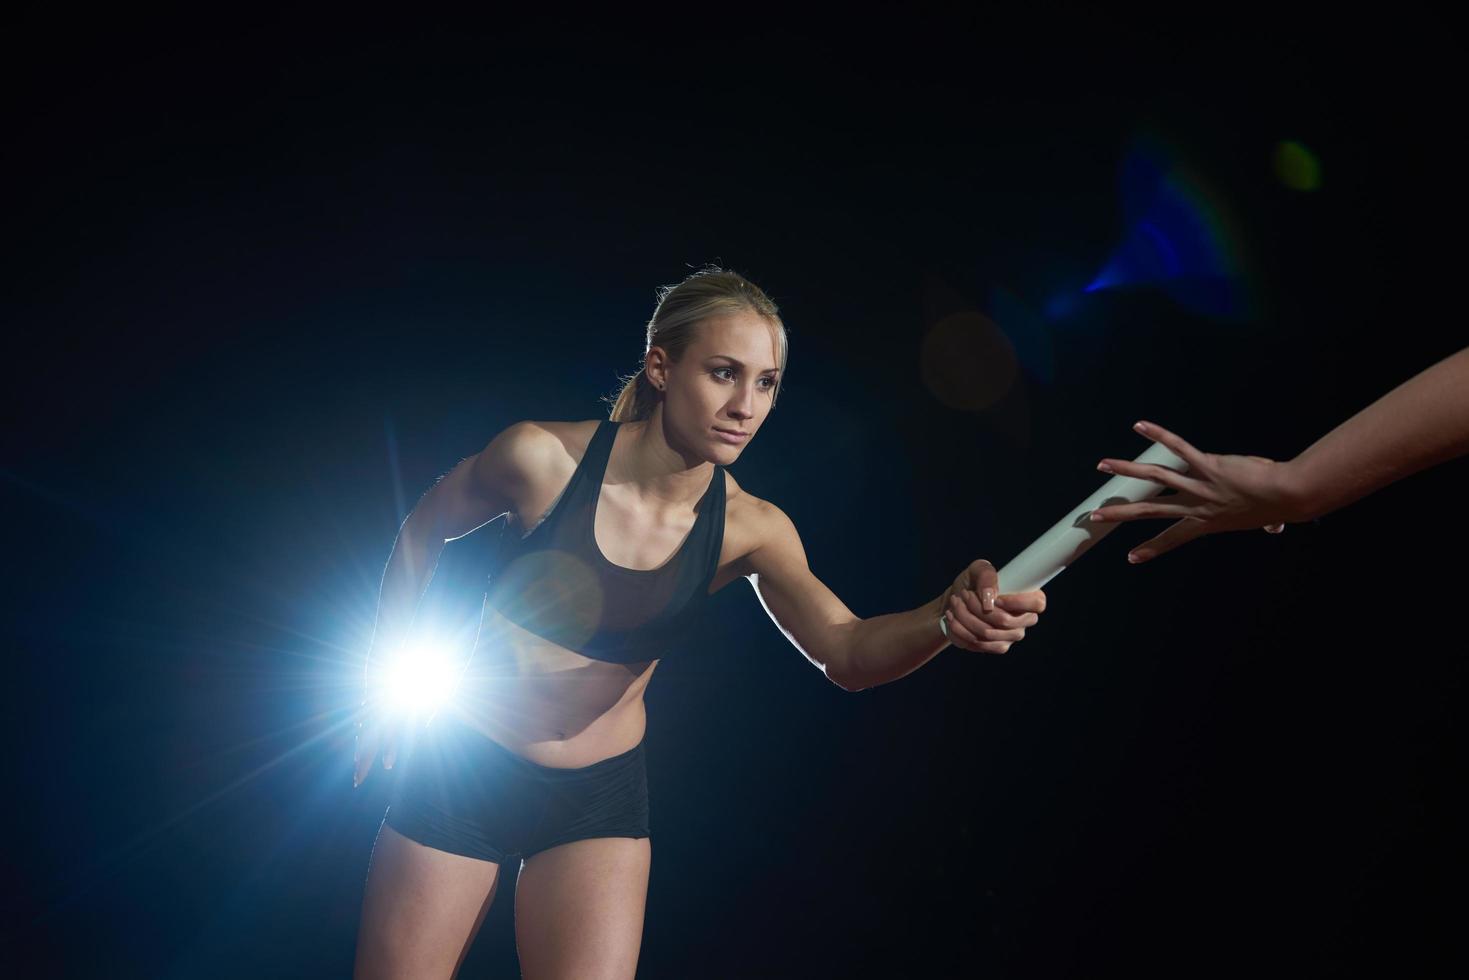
(656,467)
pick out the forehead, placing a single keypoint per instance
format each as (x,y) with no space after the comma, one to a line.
(745,336)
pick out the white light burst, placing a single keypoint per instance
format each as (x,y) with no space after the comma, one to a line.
(417,681)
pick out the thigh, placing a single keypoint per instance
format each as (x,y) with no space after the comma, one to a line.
(579,909)
(421,910)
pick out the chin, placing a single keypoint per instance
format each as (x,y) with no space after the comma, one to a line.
(722,455)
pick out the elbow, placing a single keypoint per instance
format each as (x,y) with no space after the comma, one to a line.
(842,665)
(845,680)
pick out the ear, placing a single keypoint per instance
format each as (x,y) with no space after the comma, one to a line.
(655,365)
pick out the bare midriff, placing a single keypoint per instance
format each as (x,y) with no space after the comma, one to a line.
(549,704)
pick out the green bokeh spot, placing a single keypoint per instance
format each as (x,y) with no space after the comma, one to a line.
(1297,167)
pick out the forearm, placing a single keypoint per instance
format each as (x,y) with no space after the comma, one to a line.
(1422,422)
(884,648)
(410,566)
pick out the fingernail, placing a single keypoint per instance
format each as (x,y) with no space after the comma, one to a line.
(1105,468)
(1096,516)
(1141,427)
(1134,558)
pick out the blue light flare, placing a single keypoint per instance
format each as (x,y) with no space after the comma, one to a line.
(1177,237)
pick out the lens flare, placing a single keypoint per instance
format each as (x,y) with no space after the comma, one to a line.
(1297,167)
(556,591)
(1177,237)
(417,681)
(967,362)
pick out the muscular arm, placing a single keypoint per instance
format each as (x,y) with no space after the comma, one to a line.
(1422,422)
(470,495)
(854,653)
(473,493)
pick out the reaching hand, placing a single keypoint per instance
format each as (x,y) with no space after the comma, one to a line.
(1219,493)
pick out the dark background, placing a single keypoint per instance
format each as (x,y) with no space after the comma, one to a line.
(270,278)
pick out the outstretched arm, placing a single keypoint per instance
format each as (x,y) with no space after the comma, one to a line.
(857,653)
(1421,423)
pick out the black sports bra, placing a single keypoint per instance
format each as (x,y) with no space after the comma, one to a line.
(555,581)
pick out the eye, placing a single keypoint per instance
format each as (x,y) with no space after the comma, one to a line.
(768,383)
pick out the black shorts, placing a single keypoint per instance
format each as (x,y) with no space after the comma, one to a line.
(466,794)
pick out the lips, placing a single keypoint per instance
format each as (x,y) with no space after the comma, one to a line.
(732,435)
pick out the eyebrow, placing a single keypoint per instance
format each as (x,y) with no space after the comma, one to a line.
(738,363)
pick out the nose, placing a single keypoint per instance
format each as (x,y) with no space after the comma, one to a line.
(742,404)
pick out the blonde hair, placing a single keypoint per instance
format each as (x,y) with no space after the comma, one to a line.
(710,292)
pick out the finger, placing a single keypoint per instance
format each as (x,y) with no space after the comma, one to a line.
(987,582)
(1177,506)
(959,635)
(1023,602)
(1003,619)
(971,624)
(996,617)
(967,640)
(980,627)
(1012,622)
(968,599)
(1155,474)
(1180,533)
(1197,462)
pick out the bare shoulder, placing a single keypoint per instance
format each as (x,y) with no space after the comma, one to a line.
(526,458)
(750,522)
(531,451)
